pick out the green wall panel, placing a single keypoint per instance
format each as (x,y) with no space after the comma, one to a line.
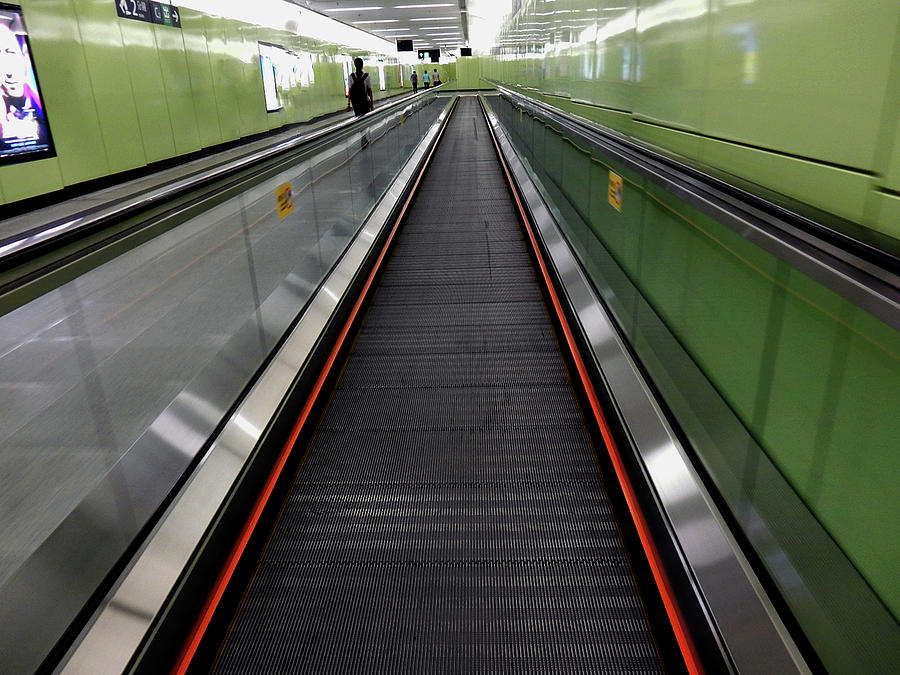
(767,56)
(887,208)
(104,54)
(670,62)
(553,154)
(800,97)
(21,181)
(179,94)
(892,177)
(691,277)
(618,230)
(468,72)
(614,119)
(813,377)
(242,41)
(833,426)
(225,77)
(201,78)
(683,143)
(142,59)
(836,190)
(68,96)
(576,177)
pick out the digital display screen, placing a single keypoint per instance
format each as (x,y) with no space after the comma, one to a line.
(404,45)
(24,130)
(433,54)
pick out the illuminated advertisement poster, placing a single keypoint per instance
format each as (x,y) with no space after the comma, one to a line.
(267,60)
(24,131)
(283,71)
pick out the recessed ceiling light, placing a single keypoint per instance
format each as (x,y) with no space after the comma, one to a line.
(431,4)
(435,18)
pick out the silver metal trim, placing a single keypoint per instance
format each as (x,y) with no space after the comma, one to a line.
(125,616)
(752,634)
(61,226)
(870,287)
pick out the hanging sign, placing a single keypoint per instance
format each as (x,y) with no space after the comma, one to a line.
(149,11)
(614,195)
(284,199)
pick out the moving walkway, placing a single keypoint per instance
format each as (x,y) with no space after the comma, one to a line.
(450,461)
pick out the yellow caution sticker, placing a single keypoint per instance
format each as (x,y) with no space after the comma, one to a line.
(615,191)
(284,198)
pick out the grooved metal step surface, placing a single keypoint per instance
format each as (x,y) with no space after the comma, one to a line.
(449,516)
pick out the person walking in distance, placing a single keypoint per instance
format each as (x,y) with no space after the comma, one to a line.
(360,94)
(415,81)
(437,77)
(425,79)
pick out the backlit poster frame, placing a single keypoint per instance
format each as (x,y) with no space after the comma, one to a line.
(267,64)
(24,128)
(283,71)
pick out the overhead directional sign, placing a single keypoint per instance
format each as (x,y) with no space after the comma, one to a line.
(149,11)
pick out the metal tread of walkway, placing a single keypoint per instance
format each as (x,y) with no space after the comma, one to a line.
(449,516)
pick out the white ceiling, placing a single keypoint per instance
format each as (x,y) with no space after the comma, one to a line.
(428,23)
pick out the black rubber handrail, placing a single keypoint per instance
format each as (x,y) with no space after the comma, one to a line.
(866,274)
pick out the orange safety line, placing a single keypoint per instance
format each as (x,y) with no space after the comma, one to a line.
(682,635)
(212,602)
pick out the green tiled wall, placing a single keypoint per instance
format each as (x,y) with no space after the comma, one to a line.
(120,94)
(802,97)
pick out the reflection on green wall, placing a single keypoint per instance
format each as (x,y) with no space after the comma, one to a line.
(801,97)
(120,94)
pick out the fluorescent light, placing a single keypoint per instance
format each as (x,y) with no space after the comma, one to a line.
(435,18)
(380,21)
(433,4)
(351,9)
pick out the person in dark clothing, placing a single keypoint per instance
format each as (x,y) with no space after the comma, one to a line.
(360,94)
(414,79)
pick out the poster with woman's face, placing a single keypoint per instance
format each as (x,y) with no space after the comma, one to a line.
(24,131)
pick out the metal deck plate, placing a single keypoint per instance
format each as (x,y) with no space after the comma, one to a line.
(449,517)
